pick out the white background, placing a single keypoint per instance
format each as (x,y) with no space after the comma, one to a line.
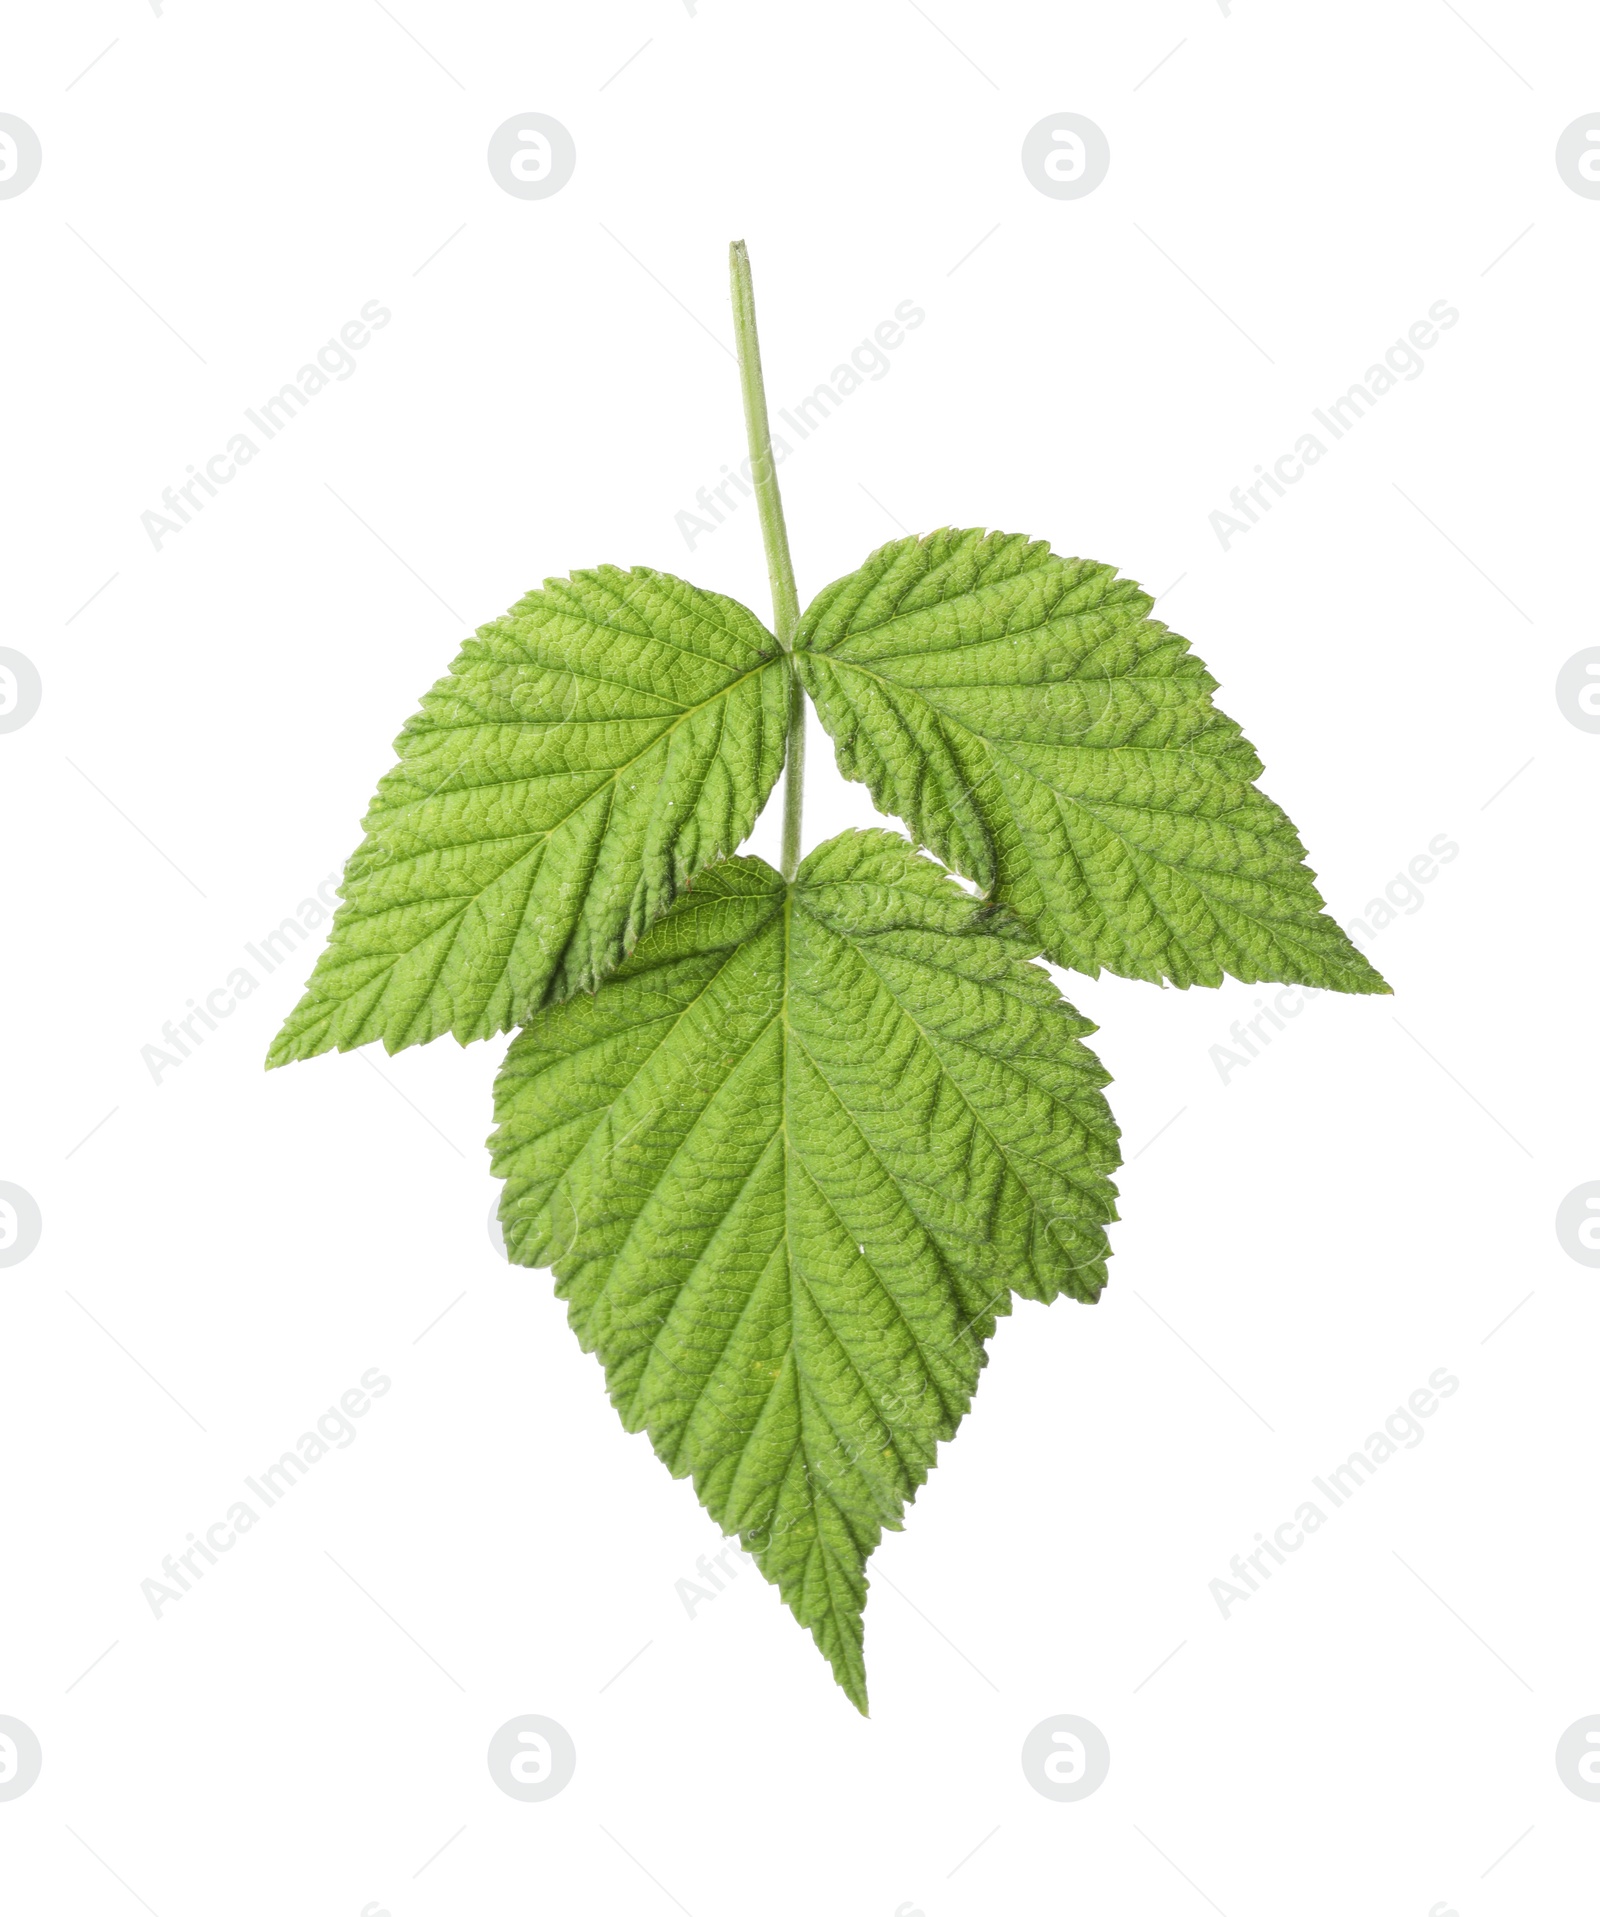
(1302,1245)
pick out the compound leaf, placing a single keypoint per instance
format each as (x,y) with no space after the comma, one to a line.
(789,1164)
(586,755)
(1045,737)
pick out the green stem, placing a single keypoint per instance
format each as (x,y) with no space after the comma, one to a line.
(775,536)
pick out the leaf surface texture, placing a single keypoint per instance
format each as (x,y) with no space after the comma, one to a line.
(584,757)
(789,1164)
(1035,728)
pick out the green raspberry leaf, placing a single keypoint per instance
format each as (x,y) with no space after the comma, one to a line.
(789,1164)
(587,754)
(1045,737)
